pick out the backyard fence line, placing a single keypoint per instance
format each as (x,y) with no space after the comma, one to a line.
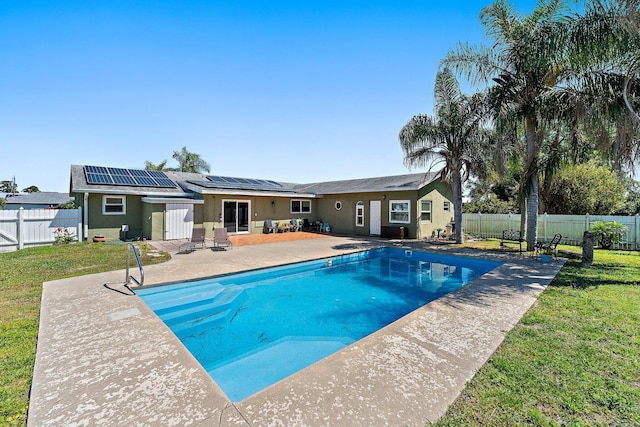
(571,227)
(20,228)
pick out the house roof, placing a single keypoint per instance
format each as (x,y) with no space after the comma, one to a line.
(371,185)
(40,198)
(188,184)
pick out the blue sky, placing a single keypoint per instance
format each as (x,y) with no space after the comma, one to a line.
(297,91)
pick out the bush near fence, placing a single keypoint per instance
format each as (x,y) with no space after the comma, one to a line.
(572,227)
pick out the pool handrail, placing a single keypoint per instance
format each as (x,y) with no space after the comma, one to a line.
(128,277)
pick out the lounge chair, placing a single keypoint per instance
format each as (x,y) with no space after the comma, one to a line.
(269,227)
(197,239)
(295,225)
(221,238)
(549,246)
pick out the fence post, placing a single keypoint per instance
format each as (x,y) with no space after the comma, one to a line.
(480,224)
(544,224)
(20,228)
(587,223)
(79,224)
(636,236)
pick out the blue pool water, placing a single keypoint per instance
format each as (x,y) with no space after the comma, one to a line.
(253,329)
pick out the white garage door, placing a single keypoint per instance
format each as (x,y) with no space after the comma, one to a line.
(179,221)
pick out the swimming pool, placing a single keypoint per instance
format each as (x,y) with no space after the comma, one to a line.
(252,329)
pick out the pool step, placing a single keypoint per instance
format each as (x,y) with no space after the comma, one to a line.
(221,301)
(192,320)
(168,300)
(256,369)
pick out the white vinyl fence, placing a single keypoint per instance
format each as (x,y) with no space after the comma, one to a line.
(20,228)
(571,227)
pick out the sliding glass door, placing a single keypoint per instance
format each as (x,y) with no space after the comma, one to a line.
(235,216)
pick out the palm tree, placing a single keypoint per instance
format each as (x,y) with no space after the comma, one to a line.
(162,166)
(525,62)
(453,135)
(190,162)
(605,54)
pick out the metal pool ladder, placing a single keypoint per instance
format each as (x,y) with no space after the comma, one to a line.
(128,277)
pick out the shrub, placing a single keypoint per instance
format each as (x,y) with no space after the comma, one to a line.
(607,233)
(63,236)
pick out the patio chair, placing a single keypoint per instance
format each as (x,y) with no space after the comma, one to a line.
(295,225)
(549,246)
(269,227)
(221,238)
(197,239)
(306,225)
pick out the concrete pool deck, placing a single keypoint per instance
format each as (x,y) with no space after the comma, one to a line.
(104,358)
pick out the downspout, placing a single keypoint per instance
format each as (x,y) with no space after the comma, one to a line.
(86,216)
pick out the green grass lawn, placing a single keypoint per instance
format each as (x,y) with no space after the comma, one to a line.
(21,276)
(574,358)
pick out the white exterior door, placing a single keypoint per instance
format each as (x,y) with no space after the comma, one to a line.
(375,217)
(179,221)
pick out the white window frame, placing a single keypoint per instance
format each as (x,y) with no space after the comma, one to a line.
(447,206)
(430,211)
(106,203)
(360,214)
(393,211)
(302,203)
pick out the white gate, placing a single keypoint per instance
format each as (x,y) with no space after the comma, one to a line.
(375,217)
(178,221)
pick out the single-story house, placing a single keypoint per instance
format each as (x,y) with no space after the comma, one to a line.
(130,203)
(39,200)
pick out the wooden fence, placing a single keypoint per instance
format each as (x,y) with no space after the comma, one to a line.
(21,228)
(571,227)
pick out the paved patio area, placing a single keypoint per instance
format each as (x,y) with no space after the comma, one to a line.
(104,358)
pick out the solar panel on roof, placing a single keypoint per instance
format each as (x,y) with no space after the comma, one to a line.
(99,178)
(216,179)
(239,183)
(145,181)
(96,169)
(120,176)
(118,171)
(157,174)
(123,179)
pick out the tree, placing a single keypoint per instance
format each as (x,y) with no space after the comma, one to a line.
(190,162)
(525,62)
(162,166)
(3,202)
(8,187)
(605,56)
(453,135)
(585,189)
(31,189)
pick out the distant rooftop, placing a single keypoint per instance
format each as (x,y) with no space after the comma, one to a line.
(40,198)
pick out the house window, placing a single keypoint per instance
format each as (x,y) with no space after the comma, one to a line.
(447,206)
(425,210)
(338,205)
(300,206)
(399,211)
(114,205)
(360,214)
